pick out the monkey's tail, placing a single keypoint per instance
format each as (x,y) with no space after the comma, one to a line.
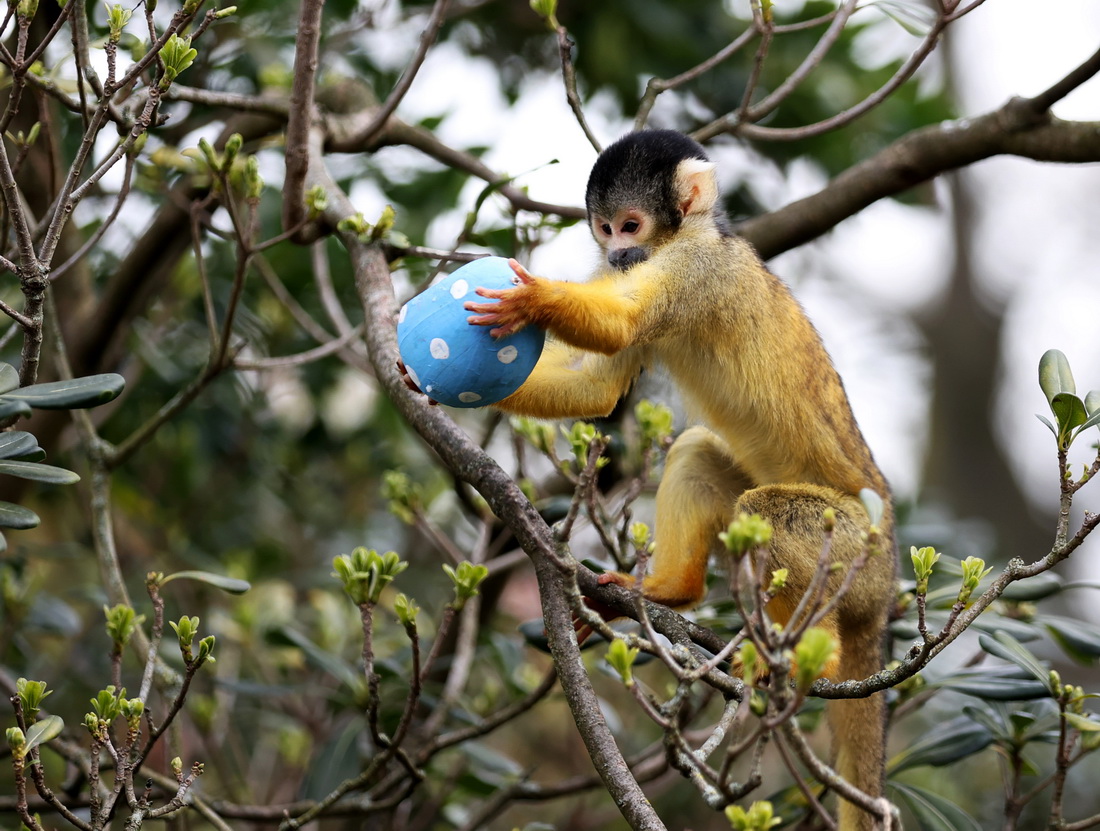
(859,732)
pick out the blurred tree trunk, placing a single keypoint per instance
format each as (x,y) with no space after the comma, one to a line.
(965,468)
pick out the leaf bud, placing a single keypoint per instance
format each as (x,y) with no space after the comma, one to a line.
(746,533)
(622,657)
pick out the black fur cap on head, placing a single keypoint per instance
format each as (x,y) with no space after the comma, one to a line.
(637,172)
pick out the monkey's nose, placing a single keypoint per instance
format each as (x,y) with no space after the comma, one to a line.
(624,258)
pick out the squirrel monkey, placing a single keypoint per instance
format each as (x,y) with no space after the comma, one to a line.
(679,290)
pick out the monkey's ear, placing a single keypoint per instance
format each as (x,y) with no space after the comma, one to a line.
(696,186)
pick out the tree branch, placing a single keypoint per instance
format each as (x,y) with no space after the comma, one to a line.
(300,119)
(918,157)
(1047,99)
(427,38)
(471,464)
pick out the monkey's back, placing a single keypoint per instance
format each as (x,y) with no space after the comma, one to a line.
(756,371)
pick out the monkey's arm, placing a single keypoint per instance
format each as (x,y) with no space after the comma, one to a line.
(603,315)
(568,383)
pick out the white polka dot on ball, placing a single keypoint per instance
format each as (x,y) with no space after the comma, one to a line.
(507,354)
(469,397)
(439,349)
(460,289)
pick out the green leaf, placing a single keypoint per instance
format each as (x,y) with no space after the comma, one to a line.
(1006,647)
(18,517)
(1069,409)
(78,393)
(944,744)
(43,731)
(1078,639)
(1082,723)
(39,472)
(1021,630)
(16,443)
(932,811)
(9,378)
(1054,375)
(1046,421)
(1034,588)
(1092,402)
(1083,584)
(9,408)
(914,18)
(1008,684)
(321,658)
(872,504)
(218,581)
(1092,421)
(534,632)
(991,718)
(491,760)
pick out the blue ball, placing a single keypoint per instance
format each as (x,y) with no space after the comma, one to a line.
(457,363)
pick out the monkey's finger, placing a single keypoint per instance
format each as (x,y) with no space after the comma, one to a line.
(488,319)
(493,294)
(481,308)
(505,330)
(524,275)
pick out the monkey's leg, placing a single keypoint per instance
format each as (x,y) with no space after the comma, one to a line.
(695,501)
(858,623)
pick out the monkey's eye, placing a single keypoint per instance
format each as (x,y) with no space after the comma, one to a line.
(631,226)
(606,228)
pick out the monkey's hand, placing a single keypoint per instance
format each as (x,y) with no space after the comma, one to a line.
(513,308)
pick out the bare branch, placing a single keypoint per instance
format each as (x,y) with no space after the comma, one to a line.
(1048,98)
(808,65)
(301,116)
(309,356)
(656,86)
(569,76)
(427,38)
(342,138)
(904,73)
(918,157)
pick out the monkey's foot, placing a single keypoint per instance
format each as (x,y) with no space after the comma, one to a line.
(618,578)
(409,382)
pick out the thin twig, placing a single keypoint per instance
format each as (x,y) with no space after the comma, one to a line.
(302,358)
(569,77)
(656,86)
(389,107)
(808,65)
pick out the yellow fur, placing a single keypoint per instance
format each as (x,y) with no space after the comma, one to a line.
(780,439)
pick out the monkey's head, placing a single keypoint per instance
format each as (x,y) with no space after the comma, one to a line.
(642,188)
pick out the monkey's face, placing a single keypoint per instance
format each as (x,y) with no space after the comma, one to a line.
(625,237)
